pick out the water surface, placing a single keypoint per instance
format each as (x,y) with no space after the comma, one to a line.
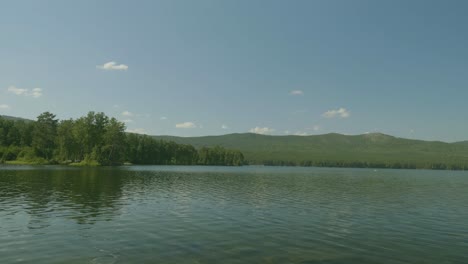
(160,214)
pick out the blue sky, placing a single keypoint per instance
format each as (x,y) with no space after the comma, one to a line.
(193,68)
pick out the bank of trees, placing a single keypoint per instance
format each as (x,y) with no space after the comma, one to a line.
(97,139)
(364,164)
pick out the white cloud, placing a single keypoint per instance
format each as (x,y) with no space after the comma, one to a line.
(36,92)
(262,130)
(112,66)
(186,125)
(287,132)
(296,92)
(163,118)
(4,106)
(17,91)
(127,113)
(300,133)
(127,120)
(341,113)
(224,127)
(137,131)
(316,128)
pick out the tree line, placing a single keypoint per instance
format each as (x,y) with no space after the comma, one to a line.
(365,164)
(96,139)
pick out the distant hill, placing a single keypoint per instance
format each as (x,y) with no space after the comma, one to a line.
(15,118)
(367,150)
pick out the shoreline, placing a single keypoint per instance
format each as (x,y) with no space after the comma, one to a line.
(94,165)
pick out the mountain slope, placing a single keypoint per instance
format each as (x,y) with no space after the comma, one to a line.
(377,149)
(15,118)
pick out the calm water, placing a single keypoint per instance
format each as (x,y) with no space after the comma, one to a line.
(157,214)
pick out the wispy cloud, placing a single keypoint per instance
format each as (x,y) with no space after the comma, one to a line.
(137,131)
(127,121)
(4,106)
(316,128)
(296,92)
(112,66)
(186,125)
(127,113)
(35,92)
(17,91)
(262,130)
(163,118)
(301,133)
(224,127)
(341,113)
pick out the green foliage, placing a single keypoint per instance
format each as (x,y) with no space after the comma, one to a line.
(10,153)
(87,161)
(220,156)
(24,156)
(44,134)
(67,142)
(146,150)
(94,140)
(335,150)
(27,153)
(15,132)
(113,149)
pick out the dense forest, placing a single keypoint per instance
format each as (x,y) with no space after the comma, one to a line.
(96,139)
(373,150)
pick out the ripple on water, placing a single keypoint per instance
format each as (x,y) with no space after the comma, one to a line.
(237,215)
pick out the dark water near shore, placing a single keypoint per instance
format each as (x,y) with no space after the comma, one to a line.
(157,214)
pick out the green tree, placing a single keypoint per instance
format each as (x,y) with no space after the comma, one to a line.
(44,134)
(67,143)
(113,149)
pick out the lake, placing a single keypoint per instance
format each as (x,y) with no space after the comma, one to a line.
(184,214)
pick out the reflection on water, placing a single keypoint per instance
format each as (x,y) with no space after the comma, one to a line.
(86,195)
(158,214)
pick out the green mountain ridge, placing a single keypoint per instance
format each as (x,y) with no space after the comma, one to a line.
(14,118)
(333,149)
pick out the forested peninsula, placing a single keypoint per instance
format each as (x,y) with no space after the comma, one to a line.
(96,139)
